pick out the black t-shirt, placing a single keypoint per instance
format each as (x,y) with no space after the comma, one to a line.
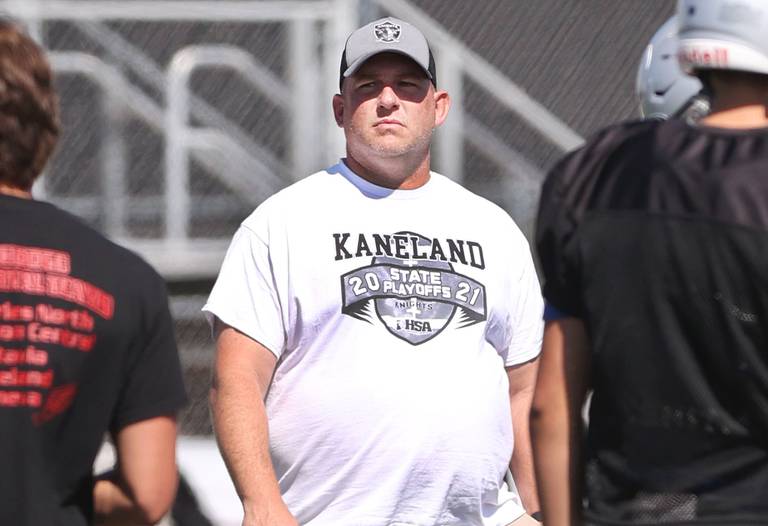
(86,346)
(656,236)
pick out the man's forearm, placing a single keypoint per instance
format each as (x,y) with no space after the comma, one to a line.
(111,503)
(521,465)
(554,468)
(142,486)
(241,429)
(556,424)
(522,380)
(241,379)
(114,506)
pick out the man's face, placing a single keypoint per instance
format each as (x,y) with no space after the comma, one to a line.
(389,107)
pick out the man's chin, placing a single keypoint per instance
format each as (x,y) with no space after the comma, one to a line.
(390,145)
(392,151)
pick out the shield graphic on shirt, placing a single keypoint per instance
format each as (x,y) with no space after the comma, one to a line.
(414,319)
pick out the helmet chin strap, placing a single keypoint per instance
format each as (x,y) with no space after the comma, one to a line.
(700,104)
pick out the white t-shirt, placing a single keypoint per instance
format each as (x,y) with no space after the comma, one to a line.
(393,314)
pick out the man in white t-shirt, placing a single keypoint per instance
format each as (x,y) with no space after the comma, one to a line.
(378,326)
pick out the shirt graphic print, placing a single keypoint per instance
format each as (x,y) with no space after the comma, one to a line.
(410,284)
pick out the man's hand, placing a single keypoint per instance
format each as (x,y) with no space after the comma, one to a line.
(269,516)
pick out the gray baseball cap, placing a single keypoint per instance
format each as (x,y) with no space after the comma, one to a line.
(386,35)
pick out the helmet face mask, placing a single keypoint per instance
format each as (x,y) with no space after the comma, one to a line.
(663,89)
(723,35)
(695,109)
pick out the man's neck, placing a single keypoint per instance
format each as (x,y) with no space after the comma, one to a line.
(740,101)
(738,117)
(395,173)
(14,191)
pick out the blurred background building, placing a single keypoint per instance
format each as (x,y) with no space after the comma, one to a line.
(181,116)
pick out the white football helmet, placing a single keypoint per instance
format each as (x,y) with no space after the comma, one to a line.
(663,88)
(723,34)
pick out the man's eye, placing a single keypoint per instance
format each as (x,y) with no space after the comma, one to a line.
(366,85)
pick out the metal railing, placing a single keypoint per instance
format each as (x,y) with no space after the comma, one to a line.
(135,60)
(168,10)
(179,138)
(118,96)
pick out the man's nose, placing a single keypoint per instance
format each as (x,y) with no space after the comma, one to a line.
(388,98)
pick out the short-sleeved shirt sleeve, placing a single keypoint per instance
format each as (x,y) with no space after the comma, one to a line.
(153,383)
(556,245)
(568,194)
(245,296)
(564,198)
(526,316)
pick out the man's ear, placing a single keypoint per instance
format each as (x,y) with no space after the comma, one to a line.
(442,105)
(338,110)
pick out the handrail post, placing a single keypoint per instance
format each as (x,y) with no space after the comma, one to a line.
(450,136)
(341,21)
(305,80)
(112,153)
(177,128)
(114,166)
(34,24)
(176,157)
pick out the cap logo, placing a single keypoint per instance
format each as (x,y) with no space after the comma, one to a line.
(387,32)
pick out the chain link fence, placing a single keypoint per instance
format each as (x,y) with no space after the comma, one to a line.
(577,57)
